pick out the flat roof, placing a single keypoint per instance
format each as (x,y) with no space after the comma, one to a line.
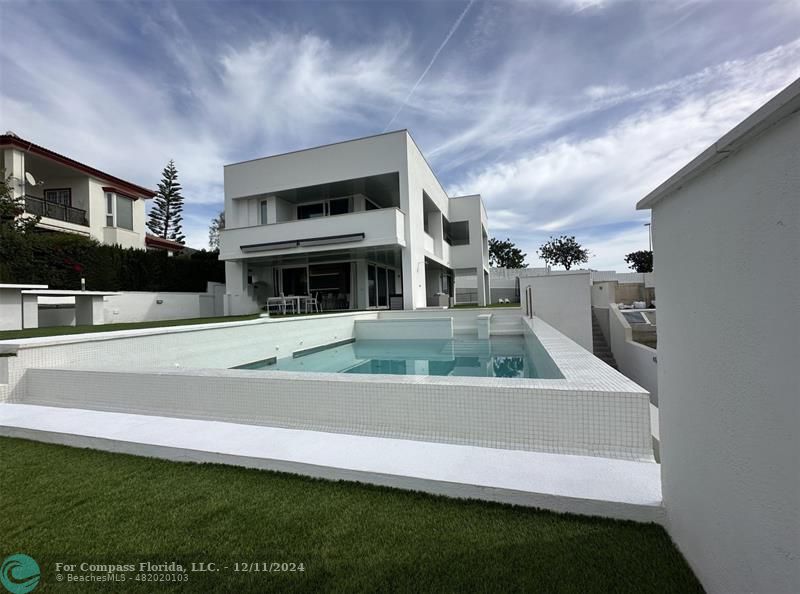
(28,146)
(781,106)
(311,148)
(66,293)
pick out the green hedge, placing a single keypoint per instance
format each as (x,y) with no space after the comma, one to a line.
(60,260)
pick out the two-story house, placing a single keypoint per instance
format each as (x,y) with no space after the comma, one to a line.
(351,224)
(73,197)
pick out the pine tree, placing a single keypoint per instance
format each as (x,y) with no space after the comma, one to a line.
(217,225)
(166,216)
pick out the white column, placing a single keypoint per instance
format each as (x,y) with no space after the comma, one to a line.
(14,165)
(237,299)
(10,309)
(30,311)
(480,286)
(88,310)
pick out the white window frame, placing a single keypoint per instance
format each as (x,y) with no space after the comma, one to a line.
(111,210)
(263,212)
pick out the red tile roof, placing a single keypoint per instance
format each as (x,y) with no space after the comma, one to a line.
(128,188)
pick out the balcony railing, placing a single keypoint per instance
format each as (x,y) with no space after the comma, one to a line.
(53,210)
(370,228)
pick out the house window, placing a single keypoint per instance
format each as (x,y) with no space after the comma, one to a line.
(119,211)
(262,212)
(124,212)
(311,211)
(326,208)
(61,196)
(109,209)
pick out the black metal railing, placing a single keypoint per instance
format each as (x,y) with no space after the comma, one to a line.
(53,210)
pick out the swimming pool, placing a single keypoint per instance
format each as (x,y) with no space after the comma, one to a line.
(500,356)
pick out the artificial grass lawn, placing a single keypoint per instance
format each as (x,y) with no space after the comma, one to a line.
(61,330)
(69,505)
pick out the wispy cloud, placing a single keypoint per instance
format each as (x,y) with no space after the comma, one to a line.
(427,69)
(562,113)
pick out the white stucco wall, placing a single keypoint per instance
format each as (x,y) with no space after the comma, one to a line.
(88,195)
(729,338)
(563,301)
(248,182)
(637,361)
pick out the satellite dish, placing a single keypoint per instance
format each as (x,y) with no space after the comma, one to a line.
(29,178)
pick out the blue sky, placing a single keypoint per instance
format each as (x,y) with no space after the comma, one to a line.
(561,113)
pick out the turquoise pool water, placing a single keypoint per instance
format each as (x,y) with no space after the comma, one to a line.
(503,356)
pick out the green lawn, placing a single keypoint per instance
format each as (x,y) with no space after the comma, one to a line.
(63,330)
(69,505)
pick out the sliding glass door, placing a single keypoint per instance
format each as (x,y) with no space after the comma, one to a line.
(380,284)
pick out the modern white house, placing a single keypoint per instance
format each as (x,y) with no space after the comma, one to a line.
(726,248)
(358,224)
(71,197)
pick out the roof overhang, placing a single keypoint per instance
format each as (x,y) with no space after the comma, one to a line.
(783,105)
(124,187)
(165,244)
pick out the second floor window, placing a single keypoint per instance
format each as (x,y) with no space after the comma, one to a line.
(61,196)
(119,211)
(325,208)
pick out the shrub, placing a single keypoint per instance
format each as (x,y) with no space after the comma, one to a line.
(60,260)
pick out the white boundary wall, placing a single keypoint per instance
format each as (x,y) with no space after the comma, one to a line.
(728,343)
(564,301)
(637,361)
(138,306)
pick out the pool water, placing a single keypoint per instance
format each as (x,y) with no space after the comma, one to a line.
(503,356)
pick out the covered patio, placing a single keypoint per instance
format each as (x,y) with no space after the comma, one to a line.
(331,281)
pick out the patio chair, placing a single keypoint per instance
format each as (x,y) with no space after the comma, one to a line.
(311,303)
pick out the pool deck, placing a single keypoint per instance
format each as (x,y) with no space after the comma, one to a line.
(586,485)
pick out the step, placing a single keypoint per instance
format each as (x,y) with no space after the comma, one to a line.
(564,483)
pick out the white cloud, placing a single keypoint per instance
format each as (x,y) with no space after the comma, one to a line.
(576,183)
(282,92)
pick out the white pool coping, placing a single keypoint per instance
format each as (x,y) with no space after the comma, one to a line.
(564,483)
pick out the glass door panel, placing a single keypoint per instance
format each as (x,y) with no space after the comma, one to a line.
(383,300)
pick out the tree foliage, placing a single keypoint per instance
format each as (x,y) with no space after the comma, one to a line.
(641,261)
(60,260)
(504,254)
(13,218)
(217,225)
(563,251)
(166,216)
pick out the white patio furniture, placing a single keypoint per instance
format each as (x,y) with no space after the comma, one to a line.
(311,304)
(11,305)
(88,305)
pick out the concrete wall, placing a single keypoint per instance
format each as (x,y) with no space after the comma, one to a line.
(728,357)
(137,306)
(637,361)
(563,301)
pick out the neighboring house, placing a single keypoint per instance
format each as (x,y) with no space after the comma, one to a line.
(726,248)
(72,197)
(154,243)
(352,224)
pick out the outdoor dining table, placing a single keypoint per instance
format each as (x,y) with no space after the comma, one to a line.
(294,299)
